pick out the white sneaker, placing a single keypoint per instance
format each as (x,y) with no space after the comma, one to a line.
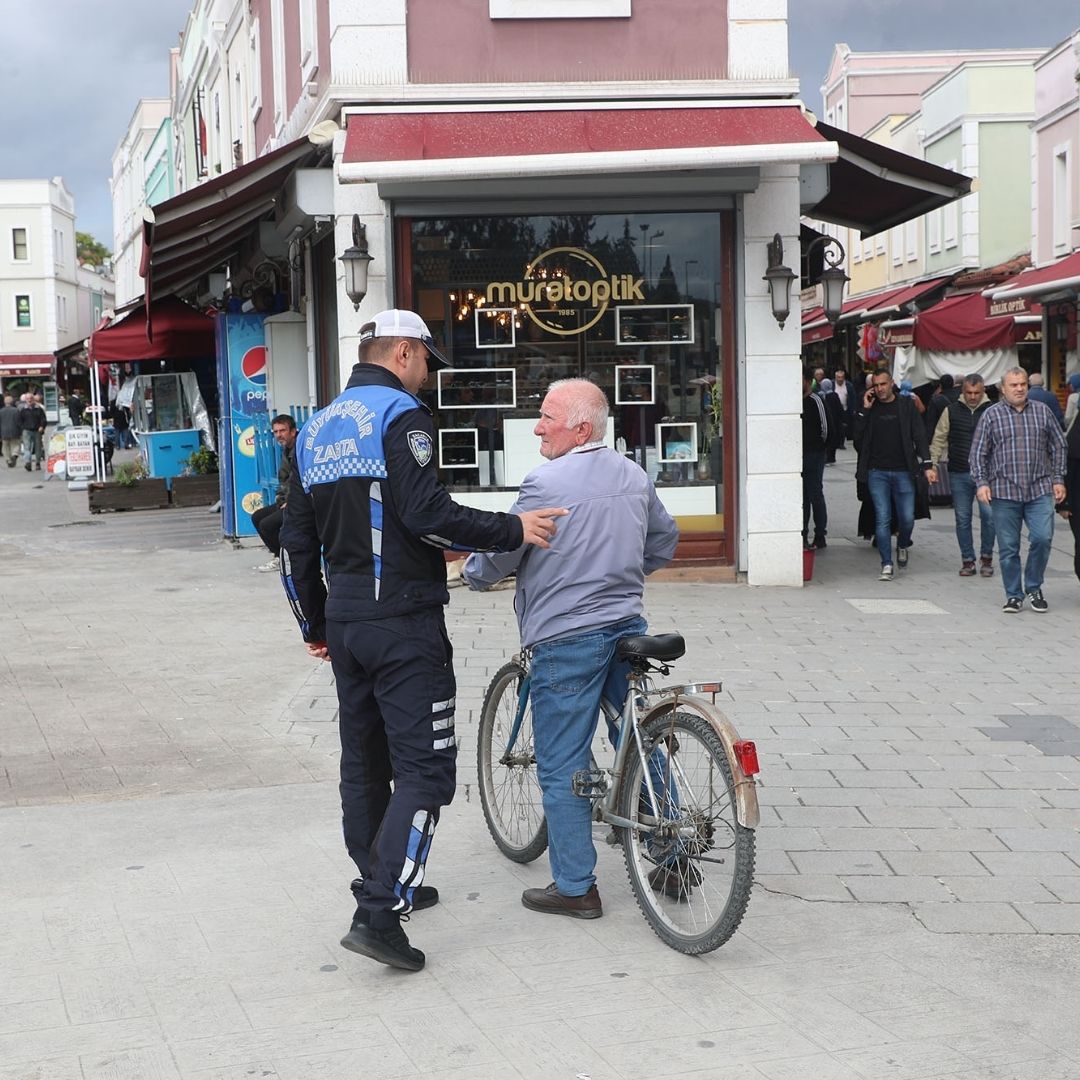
(886,573)
(271,567)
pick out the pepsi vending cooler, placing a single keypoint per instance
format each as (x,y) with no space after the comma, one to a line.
(247,458)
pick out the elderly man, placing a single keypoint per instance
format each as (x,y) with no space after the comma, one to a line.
(952,441)
(1018,466)
(1037,392)
(10,431)
(364,500)
(574,602)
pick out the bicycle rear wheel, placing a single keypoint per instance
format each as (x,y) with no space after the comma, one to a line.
(691,869)
(509,790)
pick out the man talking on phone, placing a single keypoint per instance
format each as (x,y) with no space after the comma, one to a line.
(891,441)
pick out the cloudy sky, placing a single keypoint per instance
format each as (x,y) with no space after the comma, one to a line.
(71,71)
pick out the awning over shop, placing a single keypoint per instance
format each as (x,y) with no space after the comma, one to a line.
(199,230)
(815,327)
(873,187)
(960,324)
(889,305)
(435,145)
(179,333)
(1061,279)
(14,364)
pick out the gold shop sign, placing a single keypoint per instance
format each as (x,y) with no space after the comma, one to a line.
(565,290)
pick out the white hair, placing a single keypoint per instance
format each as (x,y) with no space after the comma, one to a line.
(585,403)
(1036,379)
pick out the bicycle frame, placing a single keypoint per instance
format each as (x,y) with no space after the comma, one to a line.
(671,699)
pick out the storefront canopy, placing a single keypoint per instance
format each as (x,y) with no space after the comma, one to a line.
(897,302)
(961,324)
(1060,279)
(179,333)
(873,187)
(32,364)
(199,230)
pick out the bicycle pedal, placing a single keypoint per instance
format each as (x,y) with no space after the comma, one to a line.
(590,783)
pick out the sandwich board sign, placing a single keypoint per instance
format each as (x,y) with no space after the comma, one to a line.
(80,456)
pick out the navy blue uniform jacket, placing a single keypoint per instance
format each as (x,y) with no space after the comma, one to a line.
(366,509)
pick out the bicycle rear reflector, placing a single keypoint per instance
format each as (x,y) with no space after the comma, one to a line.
(746,755)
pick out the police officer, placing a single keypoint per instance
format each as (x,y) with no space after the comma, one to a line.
(364,498)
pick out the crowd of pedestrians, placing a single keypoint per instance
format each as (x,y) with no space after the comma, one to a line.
(1017,460)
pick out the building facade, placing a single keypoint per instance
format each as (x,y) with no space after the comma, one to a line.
(38,282)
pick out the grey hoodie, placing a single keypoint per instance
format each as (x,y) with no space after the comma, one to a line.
(593,574)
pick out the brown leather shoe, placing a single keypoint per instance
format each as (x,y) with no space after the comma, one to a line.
(986,566)
(552,902)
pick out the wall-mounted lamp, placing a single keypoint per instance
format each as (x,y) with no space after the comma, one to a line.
(355,260)
(780,278)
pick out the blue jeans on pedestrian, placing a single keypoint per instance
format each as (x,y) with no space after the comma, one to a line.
(1009,516)
(889,488)
(569,676)
(963,495)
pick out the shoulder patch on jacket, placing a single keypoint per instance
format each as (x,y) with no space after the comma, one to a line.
(420,445)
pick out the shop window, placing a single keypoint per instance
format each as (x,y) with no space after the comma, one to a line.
(23,320)
(628,301)
(20,250)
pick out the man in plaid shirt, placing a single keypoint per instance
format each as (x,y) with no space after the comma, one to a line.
(1018,467)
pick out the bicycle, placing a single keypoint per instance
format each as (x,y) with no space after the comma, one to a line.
(680,793)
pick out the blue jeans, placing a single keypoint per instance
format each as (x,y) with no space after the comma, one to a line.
(569,677)
(1009,516)
(889,488)
(963,495)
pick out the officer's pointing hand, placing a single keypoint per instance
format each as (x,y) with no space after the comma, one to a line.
(538,526)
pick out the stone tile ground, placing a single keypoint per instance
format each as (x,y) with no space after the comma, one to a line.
(174,885)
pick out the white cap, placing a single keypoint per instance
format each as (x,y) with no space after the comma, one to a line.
(397,323)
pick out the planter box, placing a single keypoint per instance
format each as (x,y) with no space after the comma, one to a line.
(195,490)
(148,494)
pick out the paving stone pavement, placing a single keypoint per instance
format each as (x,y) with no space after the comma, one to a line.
(174,884)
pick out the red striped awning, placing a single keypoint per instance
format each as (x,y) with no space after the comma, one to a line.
(12,364)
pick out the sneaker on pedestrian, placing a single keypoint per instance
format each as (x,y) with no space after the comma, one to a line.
(886,573)
(271,567)
(986,566)
(819,542)
(1013,605)
(901,556)
(388,945)
(967,569)
(552,902)
(1037,601)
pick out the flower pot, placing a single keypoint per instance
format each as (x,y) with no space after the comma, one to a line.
(148,494)
(195,490)
(807,563)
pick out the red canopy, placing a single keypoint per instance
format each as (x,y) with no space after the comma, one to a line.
(960,324)
(180,333)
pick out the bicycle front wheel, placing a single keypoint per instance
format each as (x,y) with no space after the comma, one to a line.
(509,789)
(691,865)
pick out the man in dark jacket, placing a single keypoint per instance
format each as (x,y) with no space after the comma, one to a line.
(75,407)
(268,519)
(33,427)
(952,441)
(815,440)
(946,393)
(364,498)
(10,431)
(891,441)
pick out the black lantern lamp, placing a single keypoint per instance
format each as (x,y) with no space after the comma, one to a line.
(832,278)
(779,278)
(356,260)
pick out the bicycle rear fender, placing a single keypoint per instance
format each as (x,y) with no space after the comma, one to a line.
(746,800)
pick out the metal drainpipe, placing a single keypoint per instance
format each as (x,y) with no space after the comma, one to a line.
(309,319)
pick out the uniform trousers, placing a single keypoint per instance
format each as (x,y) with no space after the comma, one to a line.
(396,695)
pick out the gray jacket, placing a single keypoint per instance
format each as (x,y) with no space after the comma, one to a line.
(593,574)
(10,422)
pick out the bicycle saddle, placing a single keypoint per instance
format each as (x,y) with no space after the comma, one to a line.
(661,647)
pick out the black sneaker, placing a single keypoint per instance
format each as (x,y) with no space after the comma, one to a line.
(424,896)
(388,945)
(1013,605)
(1037,602)
(901,557)
(819,542)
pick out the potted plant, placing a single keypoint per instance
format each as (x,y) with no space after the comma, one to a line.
(134,489)
(198,484)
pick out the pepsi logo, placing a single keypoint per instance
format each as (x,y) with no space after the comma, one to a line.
(253,365)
